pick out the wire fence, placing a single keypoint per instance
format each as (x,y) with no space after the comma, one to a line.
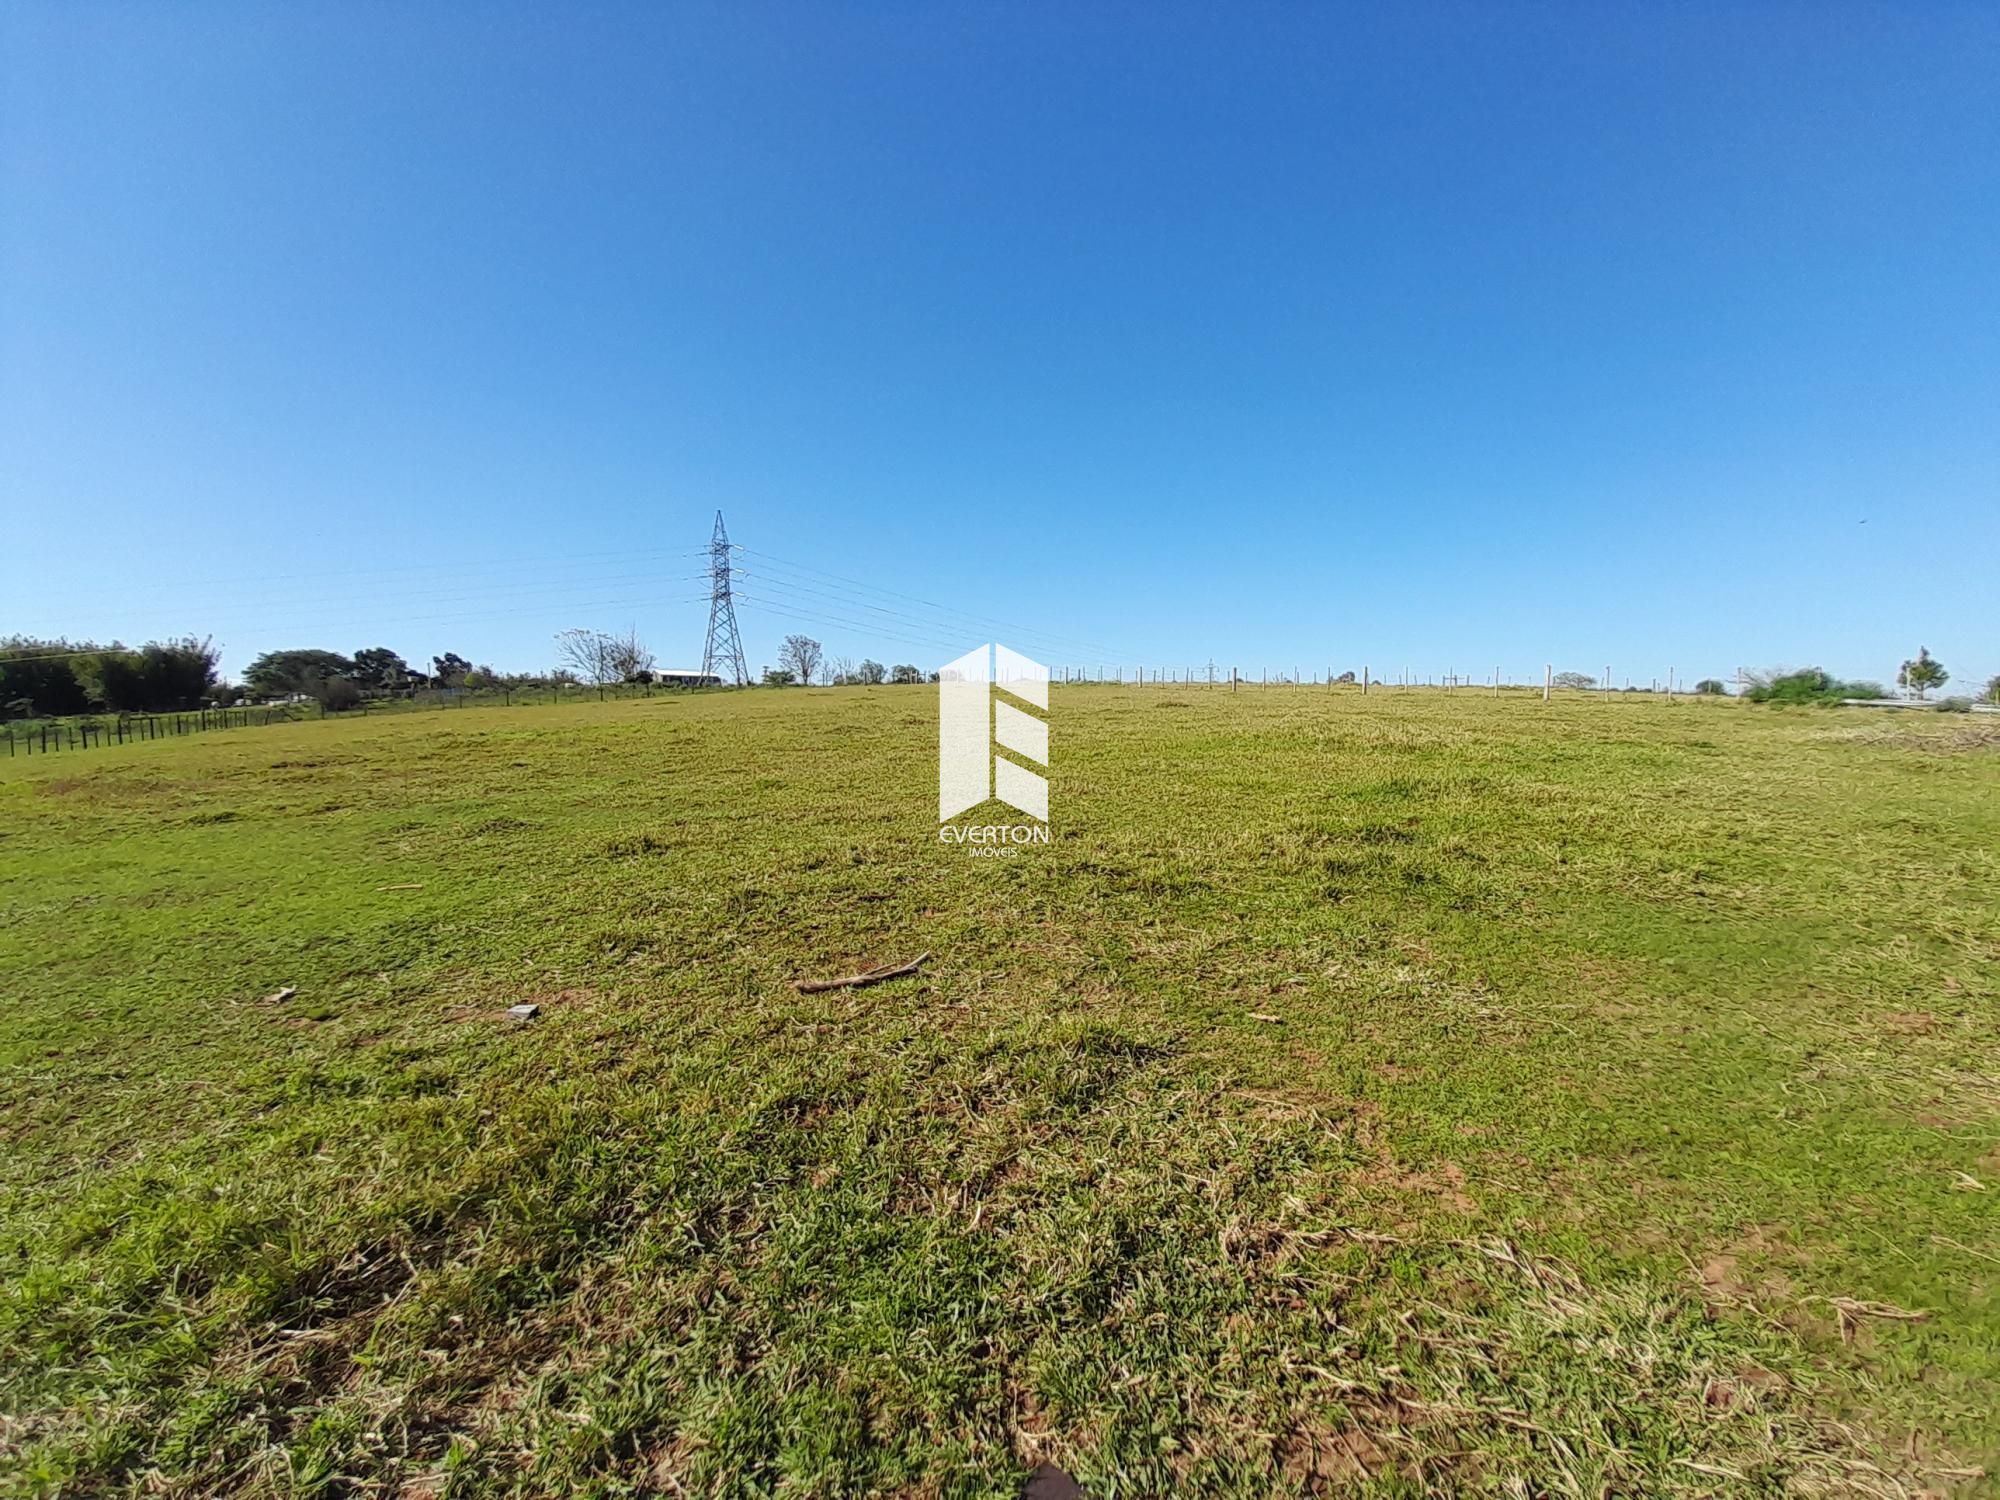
(70,735)
(94,731)
(1545,682)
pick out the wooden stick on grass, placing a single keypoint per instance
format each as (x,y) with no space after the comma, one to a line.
(857,981)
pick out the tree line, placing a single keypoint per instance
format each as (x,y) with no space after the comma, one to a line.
(42,678)
(47,679)
(802,660)
(338,682)
(52,679)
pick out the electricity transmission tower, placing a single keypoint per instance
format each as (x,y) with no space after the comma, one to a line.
(725,646)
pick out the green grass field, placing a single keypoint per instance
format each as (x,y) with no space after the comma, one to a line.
(1414,1094)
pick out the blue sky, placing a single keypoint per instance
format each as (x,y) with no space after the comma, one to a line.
(1431,337)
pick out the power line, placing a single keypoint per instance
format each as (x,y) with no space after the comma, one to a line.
(956,622)
(793,611)
(543,560)
(390,591)
(1014,629)
(785,589)
(313,612)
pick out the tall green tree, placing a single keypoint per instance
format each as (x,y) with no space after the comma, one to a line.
(1919,675)
(158,677)
(38,677)
(278,674)
(379,667)
(52,678)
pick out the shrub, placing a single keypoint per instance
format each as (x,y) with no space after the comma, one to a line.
(1953,705)
(1710,687)
(336,694)
(1807,685)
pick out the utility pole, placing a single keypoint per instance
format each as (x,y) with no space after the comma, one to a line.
(724,647)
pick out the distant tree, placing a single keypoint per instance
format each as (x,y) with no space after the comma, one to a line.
(628,658)
(1992,693)
(1806,685)
(779,677)
(482,677)
(802,657)
(1574,680)
(1345,677)
(160,675)
(278,674)
(113,679)
(42,673)
(1919,676)
(872,672)
(1710,687)
(179,674)
(449,670)
(58,677)
(904,673)
(336,694)
(590,655)
(379,667)
(840,671)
